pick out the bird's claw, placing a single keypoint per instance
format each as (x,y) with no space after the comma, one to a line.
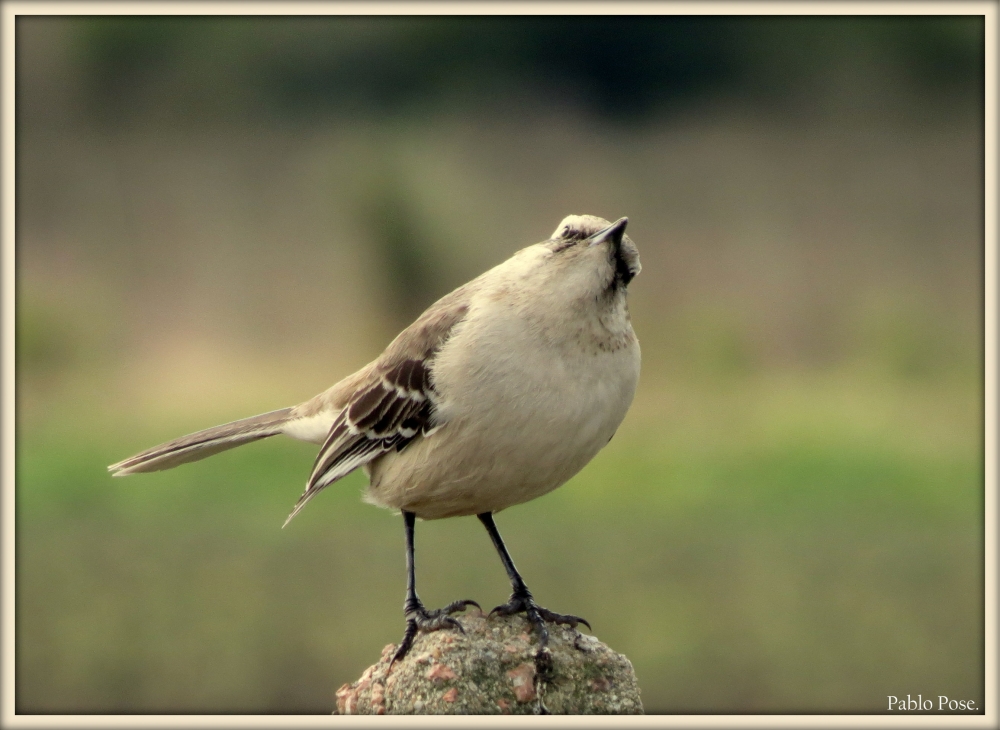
(460,606)
(419,618)
(538,616)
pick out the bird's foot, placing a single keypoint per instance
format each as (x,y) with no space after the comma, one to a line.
(419,618)
(537,617)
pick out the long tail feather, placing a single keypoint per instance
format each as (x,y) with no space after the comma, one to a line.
(203,443)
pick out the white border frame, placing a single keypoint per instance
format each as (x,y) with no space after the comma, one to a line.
(9,12)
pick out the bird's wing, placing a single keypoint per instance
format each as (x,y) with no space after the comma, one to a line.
(393,405)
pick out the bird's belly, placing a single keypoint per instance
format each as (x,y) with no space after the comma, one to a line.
(504,446)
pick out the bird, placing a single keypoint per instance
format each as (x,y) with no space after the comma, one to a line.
(497,394)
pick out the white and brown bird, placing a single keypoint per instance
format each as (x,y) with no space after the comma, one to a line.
(498,393)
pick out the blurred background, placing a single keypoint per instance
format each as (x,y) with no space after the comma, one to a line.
(218,217)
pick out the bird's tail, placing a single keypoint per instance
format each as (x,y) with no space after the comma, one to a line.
(203,443)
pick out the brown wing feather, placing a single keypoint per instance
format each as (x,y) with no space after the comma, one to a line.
(387,404)
(387,415)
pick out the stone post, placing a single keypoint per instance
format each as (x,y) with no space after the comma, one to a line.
(494,669)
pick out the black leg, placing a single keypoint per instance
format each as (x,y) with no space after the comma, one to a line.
(418,617)
(412,602)
(521,599)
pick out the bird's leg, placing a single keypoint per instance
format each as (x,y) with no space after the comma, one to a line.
(418,617)
(521,599)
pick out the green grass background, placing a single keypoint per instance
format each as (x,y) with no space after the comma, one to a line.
(798,543)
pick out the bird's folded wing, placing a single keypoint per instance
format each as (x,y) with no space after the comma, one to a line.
(388,413)
(392,403)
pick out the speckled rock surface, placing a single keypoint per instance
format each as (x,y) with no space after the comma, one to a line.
(493,670)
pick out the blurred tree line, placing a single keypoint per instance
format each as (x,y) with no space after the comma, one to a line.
(357,96)
(622,68)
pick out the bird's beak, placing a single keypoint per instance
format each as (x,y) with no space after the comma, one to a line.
(612,233)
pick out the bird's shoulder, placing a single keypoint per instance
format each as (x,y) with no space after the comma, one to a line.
(404,362)
(422,339)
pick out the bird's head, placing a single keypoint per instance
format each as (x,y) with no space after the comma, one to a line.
(600,246)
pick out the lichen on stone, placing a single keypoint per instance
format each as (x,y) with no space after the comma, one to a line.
(494,668)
